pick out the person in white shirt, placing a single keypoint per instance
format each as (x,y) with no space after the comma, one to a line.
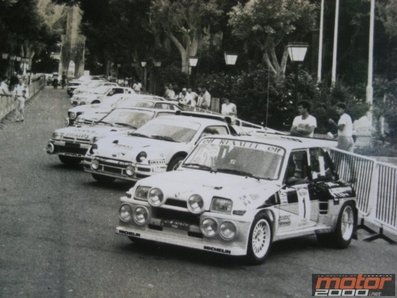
(304,124)
(20,97)
(4,90)
(228,108)
(137,86)
(204,98)
(345,128)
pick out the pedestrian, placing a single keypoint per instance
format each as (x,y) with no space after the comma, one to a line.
(4,90)
(204,98)
(304,124)
(13,81)
(191,98)
(184,97)
(137,86)
(169,93)
(20,98)
(63,80)
(228,108)
(345,128)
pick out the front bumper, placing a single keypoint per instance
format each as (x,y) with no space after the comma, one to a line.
(177,232)
(67,148)
(118,168)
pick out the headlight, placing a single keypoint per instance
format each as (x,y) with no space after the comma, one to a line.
(141,156)
(140,215)
(50,148)
(221,205)
(227,230)
(94,165)
(195,204)
(56,135)
(125,213)
(82,103)
(129,170)
(209,227)
(72,115)
(141,193)
(155,197)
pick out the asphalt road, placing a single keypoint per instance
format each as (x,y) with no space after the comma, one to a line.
(57,235)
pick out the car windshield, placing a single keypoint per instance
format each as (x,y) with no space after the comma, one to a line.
(169,130)
(237,157)
(126,117)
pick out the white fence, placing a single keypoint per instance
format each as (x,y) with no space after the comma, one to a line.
(376,188)
(7,103)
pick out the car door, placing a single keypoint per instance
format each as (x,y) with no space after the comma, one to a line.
(295,209)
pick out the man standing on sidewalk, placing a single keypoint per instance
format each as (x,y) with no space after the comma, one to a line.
(4,90)
(20,98)
(345,128)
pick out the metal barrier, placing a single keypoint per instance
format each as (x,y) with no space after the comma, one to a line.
(376,189)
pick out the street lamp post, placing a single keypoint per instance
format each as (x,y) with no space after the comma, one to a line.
(192,63)
(230,58)
(157,65)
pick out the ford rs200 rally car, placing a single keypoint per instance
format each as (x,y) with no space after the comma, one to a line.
(71,143)
(237,195)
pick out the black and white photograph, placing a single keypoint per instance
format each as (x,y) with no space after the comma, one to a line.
(198,148)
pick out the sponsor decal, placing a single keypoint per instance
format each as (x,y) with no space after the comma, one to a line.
(353,285)
(216,249)
(340,192)
(284,220)
(283,197)
(129,233)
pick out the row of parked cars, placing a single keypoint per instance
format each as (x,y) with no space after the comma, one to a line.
(205,181)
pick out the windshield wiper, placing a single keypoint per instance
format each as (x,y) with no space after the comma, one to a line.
(104,122)
(237,172)
(199,166)
(165,138)
(136,134)
(125,124)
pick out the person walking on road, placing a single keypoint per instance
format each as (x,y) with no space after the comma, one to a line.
(345,128)
(20,98)
(304,124)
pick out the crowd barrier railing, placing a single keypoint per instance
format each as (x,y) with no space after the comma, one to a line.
(376,190)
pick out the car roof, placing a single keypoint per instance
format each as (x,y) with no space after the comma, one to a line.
(190,119)
(144,109)
(287,142)
(145,96)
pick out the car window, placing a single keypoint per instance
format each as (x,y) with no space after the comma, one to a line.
(321,165)
(214,130)
(164,106)
(297,168)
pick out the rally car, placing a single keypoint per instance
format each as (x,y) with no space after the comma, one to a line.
(157,146)
(238,195)
(71,143)
(98,94)
(94,112)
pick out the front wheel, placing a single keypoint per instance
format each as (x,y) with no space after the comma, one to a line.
(174,163)
(260,239)
(344,229)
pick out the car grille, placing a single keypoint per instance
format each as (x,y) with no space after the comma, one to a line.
(76,140)
(71,149)
(167,214)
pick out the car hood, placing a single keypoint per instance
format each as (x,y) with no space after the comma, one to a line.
(245,192)
(128,147)
(89,132)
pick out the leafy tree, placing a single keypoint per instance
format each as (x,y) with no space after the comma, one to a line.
(185,22)
(269,25)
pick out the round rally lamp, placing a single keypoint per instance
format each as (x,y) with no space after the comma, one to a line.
(227,230)
(155,197)
(141,156)
(129,170)
(209,227)
(125,213)
(50,148)
(195,204)
(140,215)
(95,165)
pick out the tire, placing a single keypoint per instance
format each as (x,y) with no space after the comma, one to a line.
(344,230)
(174,163)
(103,179)
(260,239)
(68,160)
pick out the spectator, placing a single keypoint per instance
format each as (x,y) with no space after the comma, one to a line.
(13,81)
(169,92)
(345,128)
(228,108)
(63,80)
(191,98)
(20,98)
(4,90)
(137,86)
(183,97)
(304,124)
(204,98)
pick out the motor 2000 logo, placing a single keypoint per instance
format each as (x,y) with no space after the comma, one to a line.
(353,285)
